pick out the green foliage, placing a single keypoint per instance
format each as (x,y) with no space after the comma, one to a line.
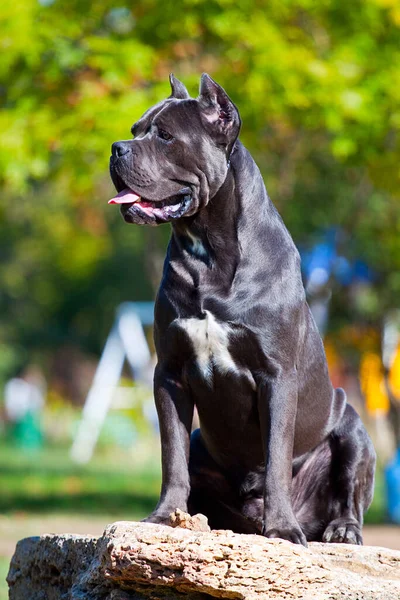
(317,84)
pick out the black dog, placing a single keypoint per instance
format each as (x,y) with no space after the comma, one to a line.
(278,452)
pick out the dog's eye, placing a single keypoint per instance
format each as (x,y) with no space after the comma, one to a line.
(164,135)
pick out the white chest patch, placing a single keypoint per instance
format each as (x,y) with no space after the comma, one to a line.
(210,340)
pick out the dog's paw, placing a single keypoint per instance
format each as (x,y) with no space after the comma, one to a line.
(343,531)
(158,517)
(291,533)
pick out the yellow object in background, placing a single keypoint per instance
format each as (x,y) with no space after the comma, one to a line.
(394,375)
(373,384)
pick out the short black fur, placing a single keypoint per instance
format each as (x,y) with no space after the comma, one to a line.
(279,451)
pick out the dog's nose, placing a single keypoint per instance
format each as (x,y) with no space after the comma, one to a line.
(119,149)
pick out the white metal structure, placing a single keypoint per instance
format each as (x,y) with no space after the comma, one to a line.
(125,341)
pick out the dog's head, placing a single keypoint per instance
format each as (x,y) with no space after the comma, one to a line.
(179,156)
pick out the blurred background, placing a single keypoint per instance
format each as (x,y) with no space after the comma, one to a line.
(318,87)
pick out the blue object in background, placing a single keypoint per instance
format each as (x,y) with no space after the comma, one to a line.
(322,260)
(392,475)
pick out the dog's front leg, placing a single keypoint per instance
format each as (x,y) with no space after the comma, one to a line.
(277,406)
(175,414)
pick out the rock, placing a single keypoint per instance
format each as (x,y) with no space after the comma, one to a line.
(45,568)
(135,561)
(196,523)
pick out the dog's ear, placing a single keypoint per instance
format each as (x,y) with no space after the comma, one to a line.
(218,112)
(178,90)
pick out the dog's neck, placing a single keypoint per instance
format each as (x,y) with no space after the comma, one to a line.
(221,234)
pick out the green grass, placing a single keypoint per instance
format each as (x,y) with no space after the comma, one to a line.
(4,563)
(48,481)
(377,511)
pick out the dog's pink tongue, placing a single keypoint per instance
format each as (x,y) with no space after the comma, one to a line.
(124,197)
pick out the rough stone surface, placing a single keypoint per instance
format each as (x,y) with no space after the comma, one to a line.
(196,523)
(134,561)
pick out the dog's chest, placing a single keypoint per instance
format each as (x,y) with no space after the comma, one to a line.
(211,340)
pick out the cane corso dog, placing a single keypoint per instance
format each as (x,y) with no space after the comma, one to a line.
(279,452)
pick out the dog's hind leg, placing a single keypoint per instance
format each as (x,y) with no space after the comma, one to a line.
(310,490)
(352,479)
(333,485)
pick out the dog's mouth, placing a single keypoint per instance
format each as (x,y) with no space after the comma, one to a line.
(139,210)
